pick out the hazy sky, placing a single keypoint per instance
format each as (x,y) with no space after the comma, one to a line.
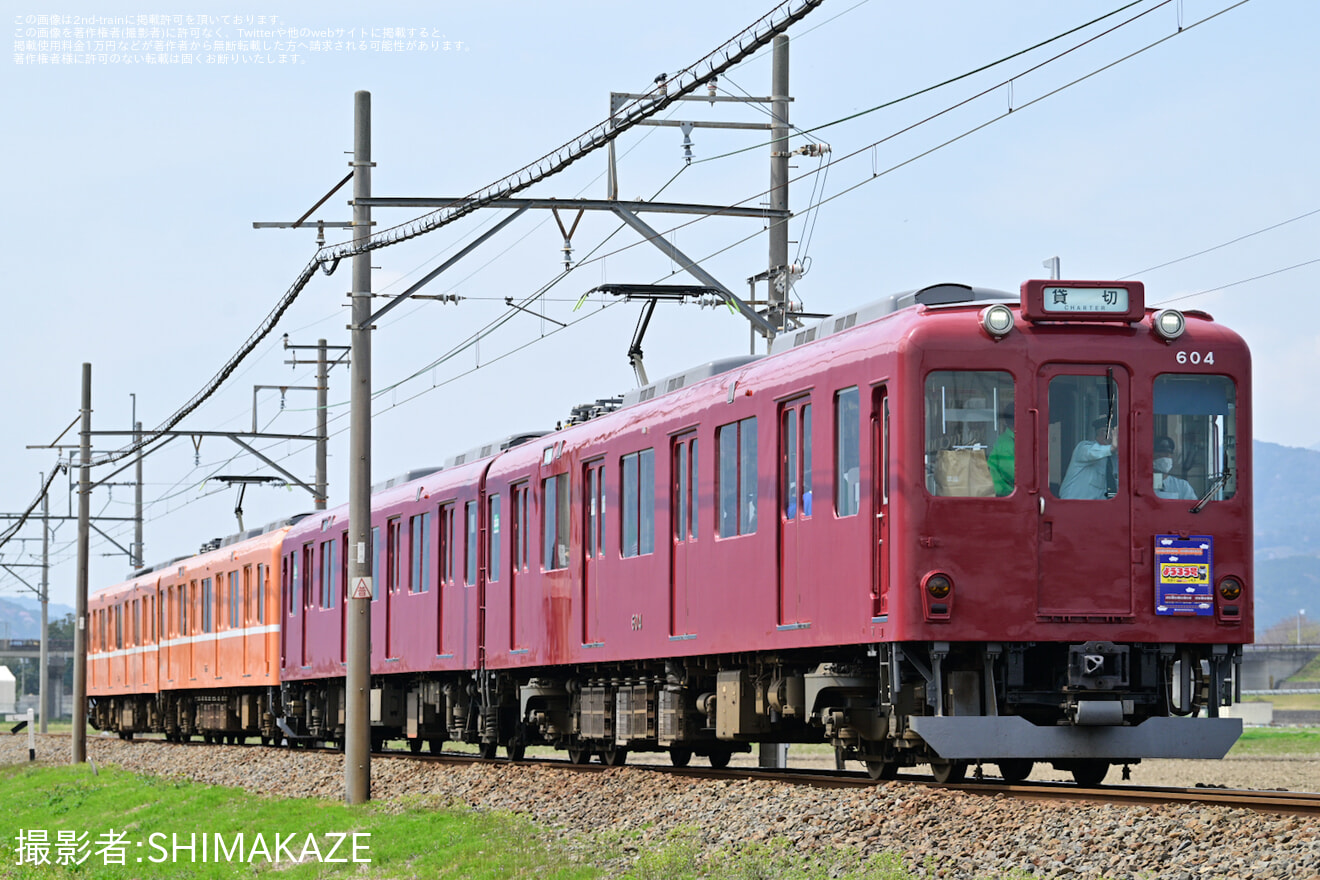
(135,180)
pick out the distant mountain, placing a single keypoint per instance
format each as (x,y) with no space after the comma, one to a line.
(1287,487)
(20,616)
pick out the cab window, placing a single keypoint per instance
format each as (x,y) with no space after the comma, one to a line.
(1195,437)
(969,433)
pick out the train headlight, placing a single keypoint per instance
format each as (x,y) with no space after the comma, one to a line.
(997,320)
(1230,588)
(938,585)
(1169,323)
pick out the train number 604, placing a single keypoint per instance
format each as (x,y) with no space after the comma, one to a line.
(1195,357)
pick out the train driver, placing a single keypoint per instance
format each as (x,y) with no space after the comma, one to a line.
(1094,464)
(1166,484)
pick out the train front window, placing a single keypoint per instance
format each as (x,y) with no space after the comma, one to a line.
(969,433)
(1195,437)
(1084,432)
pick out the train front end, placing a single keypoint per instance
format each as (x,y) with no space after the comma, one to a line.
(1071,571)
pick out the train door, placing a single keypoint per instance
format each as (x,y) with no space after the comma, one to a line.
(795,508)
(683,507)
(594,548)
(880,488)
(1085,479)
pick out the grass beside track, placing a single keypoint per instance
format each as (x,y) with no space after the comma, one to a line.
(407,840)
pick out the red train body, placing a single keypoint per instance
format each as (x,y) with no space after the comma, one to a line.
(936,530)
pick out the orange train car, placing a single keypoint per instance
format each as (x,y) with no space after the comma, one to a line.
(191,647)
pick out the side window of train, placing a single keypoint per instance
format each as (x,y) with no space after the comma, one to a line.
(969,433)
(554,526)
(637,506)
(737,491)
(847,452)
(419,552)
(795,459)
(445,545)
(393,550)
(208,598)
(493,537)
(1195,437)
(470,556)
(1084,431)
(375,563)
(329,573)
(521,536)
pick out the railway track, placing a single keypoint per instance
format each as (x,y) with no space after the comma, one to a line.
(1273,801)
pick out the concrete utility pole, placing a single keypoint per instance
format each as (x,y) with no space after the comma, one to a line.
(778,270)
(323,366)
(80,623)
(138,550)
(357,697)
(43,695)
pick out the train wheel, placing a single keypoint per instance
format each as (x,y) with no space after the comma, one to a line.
(436,745)
(948,771)
(579,755)
(614,756)
(1015,770)
(415,745)
(719,759)
(515,749)
(679,756)
(487,750)
(882,769)
(1090,773)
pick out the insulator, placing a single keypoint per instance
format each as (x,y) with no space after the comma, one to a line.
(568,253)
(687,142)
(710,88)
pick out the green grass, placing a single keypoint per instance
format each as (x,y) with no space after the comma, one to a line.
(410,839)
(1262,742)
(402,844)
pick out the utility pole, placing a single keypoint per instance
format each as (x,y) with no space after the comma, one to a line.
(323,366)
(138,550)
(778,270)
(357,697)
(43,696)
(80,625)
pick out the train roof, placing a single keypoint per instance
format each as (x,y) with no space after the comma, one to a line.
(687,377)
(933,295)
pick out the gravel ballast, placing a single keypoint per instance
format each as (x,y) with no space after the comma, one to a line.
(936,832)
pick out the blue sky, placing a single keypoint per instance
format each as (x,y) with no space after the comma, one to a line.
(129,238)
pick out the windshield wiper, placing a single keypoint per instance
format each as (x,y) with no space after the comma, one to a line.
(1215,485)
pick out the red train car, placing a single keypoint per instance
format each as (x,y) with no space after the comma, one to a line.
(954,526)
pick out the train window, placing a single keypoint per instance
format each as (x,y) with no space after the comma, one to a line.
(847,452)
(1195,437)
(520,534)
(186,600)
(309,575)
(419,552)
(208,597)
(493,535)
(375,563)
(445,546)
(329,573)
(637,507)
(969,433)
(1084,437)
(595,483)
(235,602)
(262,574)
(119,627)
(737,477)
(470,555)
(795,458)
(554,528)
(393,538)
